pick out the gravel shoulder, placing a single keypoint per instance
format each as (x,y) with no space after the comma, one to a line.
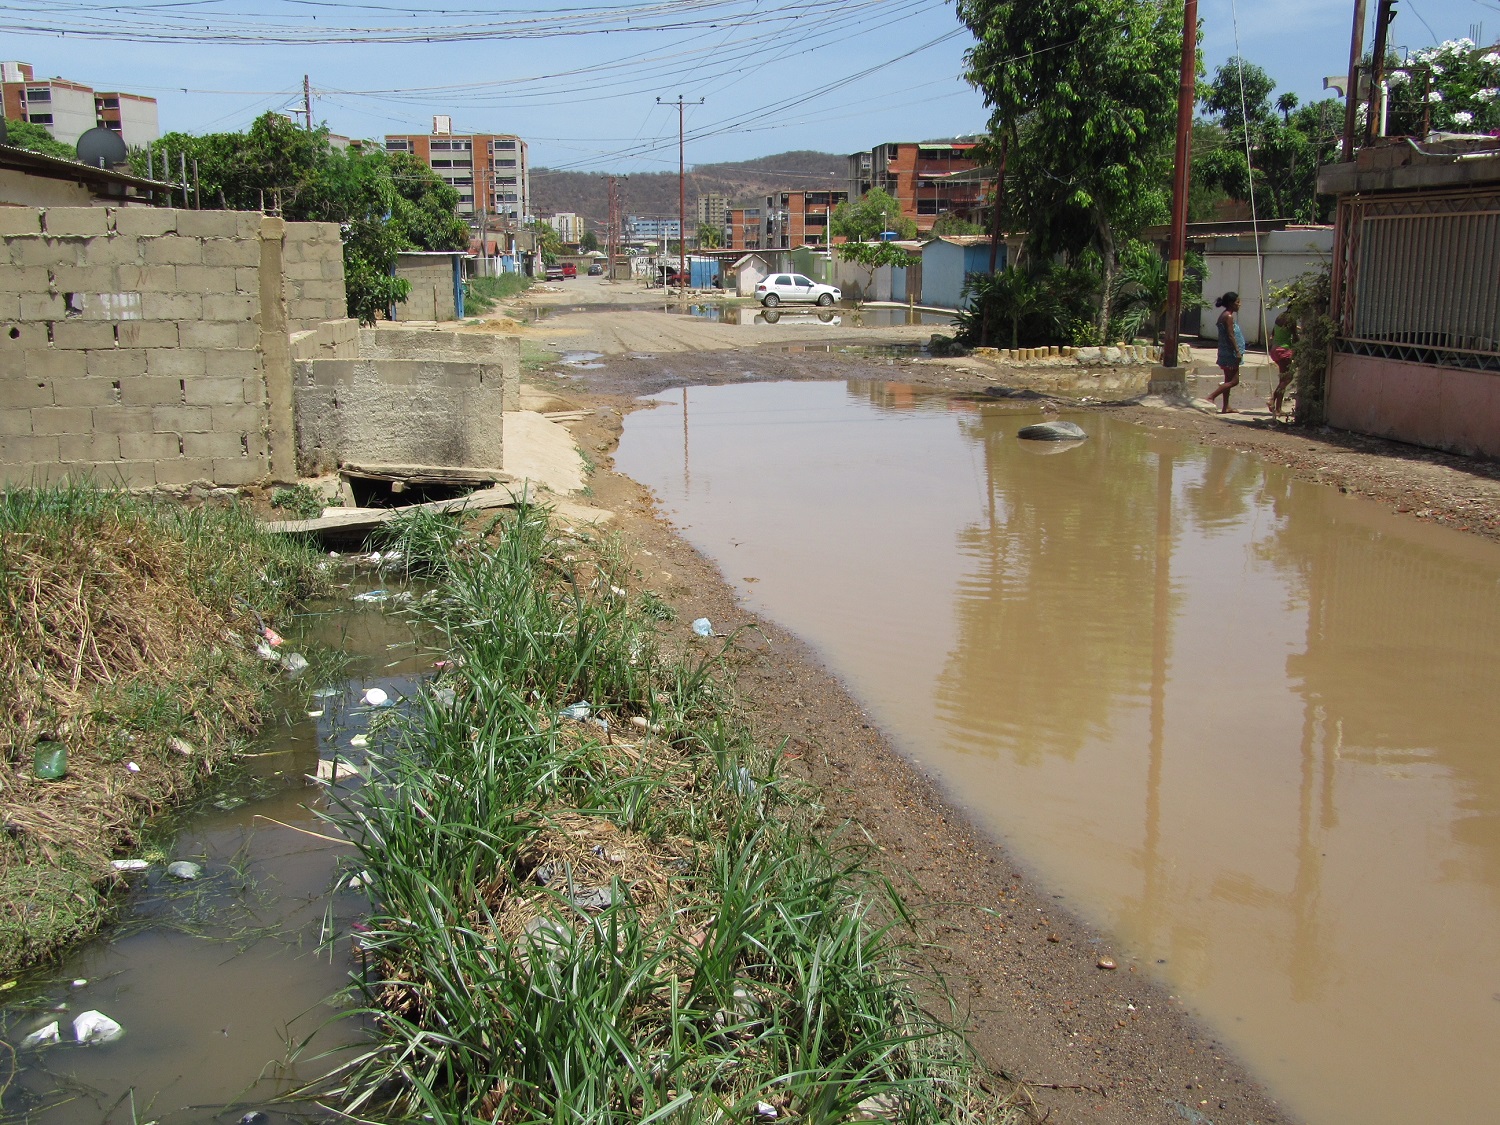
(1089,1044)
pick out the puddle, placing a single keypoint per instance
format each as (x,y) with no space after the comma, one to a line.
(583,361)
(1241,721)
(811,316)
(211,979)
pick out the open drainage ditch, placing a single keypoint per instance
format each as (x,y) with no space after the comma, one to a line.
(217,979)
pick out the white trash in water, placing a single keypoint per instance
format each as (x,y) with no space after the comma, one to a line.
(96,1027)
(703,627)
(335,770)
(79,982)
(129,864)
(375,697)
(182,869)
(294,663)
(42,1037)
(359,740)
(446,696)
(266,653)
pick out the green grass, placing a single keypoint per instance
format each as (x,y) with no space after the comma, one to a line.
(743,953)
(481,294)
(127,632)
(300,500)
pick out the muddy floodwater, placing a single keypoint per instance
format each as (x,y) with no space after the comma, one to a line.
(214,980)
(1244,723)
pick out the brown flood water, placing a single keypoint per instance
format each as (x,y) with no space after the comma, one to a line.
(1243,722)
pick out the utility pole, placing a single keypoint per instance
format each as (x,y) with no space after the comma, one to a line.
(1385,12)
(1351,91)
(307,100)
(682,277)
(610,232)
(1182,171)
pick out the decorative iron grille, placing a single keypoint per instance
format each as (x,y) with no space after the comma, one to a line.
(1419,278)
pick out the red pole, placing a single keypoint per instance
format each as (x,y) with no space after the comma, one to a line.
(1182,172)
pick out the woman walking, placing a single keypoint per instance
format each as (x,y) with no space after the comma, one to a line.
(1231,349)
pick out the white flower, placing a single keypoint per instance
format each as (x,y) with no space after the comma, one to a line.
(1488,94)
(1464,44)
(1462,118)
(1438,70)
(1399,76)
(1434,95)
(1493,58)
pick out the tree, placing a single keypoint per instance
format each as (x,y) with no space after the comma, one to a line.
(1083,97)
(1457,83)
(1139,300)
(35,138)
(549,244)
(953,224)
(589,242)
(866,218)
(710,237)
(1287,144)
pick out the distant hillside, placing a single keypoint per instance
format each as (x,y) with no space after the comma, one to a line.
(655,193)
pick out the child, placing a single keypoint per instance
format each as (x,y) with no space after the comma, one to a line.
(1283,341)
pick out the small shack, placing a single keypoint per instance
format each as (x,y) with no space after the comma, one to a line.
(1286,252)
(948,260)
(437,285)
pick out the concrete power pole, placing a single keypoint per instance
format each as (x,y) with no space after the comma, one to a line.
(1182,172)
(611,231)
(682,278)
(1351,91)
(1384,14)
(307,100)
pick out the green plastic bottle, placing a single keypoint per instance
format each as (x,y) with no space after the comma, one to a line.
(51,761)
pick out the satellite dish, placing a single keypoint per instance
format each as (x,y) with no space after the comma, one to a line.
(102,148)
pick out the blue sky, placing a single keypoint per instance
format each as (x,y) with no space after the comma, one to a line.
(837,77)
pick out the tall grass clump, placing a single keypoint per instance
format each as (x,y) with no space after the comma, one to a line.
(482,294)
(127,629)
(618,914)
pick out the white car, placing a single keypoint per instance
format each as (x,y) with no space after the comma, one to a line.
(781,287)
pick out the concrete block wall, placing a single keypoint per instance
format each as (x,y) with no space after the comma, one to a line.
(313,265)
(129,346)
(333,339)
(390,341)
(398,411)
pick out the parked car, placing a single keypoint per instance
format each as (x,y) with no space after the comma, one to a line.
(779,287)
(554,273)
(596,270)
(569,269)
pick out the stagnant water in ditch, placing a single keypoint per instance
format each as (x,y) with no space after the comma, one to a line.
(213,980)
(1245,723)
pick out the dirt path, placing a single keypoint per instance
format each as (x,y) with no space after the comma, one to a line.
(1093,1045)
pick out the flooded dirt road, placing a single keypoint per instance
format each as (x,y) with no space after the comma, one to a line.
(1241,721)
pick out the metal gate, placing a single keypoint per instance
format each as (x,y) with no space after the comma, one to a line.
(1418,278)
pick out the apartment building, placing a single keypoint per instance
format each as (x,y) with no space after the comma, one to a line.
(744,228)
(711,209)
(643,228)
(569,227)
(68,109)
(488,170)
(801,218)
(925,178)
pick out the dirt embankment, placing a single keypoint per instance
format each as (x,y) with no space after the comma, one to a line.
(1093,1044)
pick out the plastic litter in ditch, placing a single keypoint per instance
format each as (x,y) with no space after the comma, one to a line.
(96,1027)
(703,627)
(184,870)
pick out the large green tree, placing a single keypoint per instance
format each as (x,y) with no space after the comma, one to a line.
(865,218)
(35,138)
(1286,144)
(383,202)
(1082,97)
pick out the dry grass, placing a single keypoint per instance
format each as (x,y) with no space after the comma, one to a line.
(115,642)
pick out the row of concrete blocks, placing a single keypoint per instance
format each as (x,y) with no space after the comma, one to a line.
(1123,354)
(151,222)
(298,260)
(135,460)
(139,474)
(22,338)
(76,386)
(1026,355)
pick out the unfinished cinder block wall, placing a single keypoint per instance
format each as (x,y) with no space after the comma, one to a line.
(150,346)
(412,397)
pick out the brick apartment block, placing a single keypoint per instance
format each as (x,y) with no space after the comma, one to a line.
(488,170)
(926,178)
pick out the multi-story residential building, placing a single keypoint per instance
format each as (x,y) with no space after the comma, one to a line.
(711,210)
(569,227)
(642,228)
(68,109)
(488,170)
(921,177)
(744,228)
(801,218)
